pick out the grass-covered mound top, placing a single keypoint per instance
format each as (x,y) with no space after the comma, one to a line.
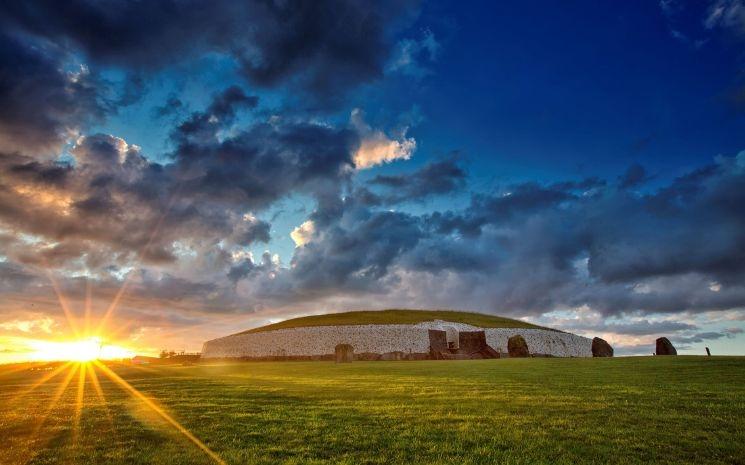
(396,317)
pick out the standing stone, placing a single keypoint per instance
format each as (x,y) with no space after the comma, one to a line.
(665,347)
(601,348)
(517,347)
(343,353)
(473,344)
(438,344)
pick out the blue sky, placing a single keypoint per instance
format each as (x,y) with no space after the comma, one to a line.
(566,92)
(578,164)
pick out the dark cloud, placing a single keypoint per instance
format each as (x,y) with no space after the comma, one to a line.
(435,255)
(356,251)
(324,46)
(183,229)
(435,178)
(133,89)
(701,337)
(14,277)
(262,163)
(111,207)
(248,267)
(41,104)
(634,176)
(172,106)
(514,203)
(693,226)
(642,327)
(328,45)
(251,230)
(112,200)
(536,248)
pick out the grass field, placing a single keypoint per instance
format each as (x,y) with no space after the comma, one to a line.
(397,316)
(513,411)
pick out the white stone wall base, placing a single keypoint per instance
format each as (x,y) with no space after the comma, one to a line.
(380,339)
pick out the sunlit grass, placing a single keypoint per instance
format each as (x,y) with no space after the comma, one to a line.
(617,411)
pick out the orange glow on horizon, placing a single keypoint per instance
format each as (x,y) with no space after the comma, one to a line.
(81,350)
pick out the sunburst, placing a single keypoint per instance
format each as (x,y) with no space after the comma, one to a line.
(83,355)
(83,358)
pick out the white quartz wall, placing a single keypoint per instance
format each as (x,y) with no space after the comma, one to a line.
(379,339)
(541,341)
(320,340)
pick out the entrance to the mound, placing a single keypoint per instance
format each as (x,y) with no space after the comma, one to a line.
(452,336)
(343,353)
(468,345)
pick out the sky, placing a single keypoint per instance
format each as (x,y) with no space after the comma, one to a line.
(175,171)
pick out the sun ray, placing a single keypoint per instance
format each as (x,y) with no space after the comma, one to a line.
(112,307)
(99,391)
(56,397)
(228,321)
(7,370)
(79,403)
(39,440)
(162,413)
(87,318)
(63,303)
(115,333)
(47,377)
(114,303)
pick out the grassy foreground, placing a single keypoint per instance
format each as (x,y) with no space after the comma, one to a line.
(615,411)
(396,316)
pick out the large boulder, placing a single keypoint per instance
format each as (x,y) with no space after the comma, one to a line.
(343,353)
(517,347)
(601,348)
(473,344)
(665,347)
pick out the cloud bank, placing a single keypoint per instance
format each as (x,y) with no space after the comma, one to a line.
(83,206)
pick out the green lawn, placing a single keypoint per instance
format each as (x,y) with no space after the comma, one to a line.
(615,411)
(396,316)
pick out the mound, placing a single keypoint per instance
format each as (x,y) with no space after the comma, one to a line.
(396,317)
(394,335)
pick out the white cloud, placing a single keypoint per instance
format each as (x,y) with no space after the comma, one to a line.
(376,147)
(44,324)
(380,149)
(727,14)
(411,54)
(303,233)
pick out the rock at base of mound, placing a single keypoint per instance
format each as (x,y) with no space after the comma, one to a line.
(473,344)
(601,348)
(343,353)
(665,347)
(517,347)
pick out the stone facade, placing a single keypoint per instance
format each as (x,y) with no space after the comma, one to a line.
(413,341)
(541,342)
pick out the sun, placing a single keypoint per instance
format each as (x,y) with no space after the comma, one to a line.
(81,350)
